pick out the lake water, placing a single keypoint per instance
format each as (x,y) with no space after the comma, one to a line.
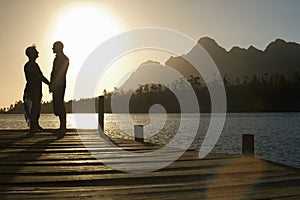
(277,135)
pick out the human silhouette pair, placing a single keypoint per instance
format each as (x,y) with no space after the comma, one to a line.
(33,89)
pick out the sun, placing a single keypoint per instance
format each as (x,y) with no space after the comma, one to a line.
(82,28)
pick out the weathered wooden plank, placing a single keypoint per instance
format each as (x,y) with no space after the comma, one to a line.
(203,165)
(159,190)
(221,178)
(126,192)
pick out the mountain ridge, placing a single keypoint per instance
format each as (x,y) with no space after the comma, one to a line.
(236,64)
(278,57)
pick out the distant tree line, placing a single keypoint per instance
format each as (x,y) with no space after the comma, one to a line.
(267,93)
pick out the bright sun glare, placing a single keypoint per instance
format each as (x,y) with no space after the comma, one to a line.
(82,28)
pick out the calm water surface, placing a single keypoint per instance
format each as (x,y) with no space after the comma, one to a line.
(276,134)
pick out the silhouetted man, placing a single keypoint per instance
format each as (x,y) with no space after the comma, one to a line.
(33,89)
(58,86)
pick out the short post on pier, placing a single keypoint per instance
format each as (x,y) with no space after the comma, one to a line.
(139,133)
(248,145)
(101,114)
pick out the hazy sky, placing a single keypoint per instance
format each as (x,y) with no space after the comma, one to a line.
(82,25)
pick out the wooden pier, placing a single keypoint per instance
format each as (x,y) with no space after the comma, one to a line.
(42,167)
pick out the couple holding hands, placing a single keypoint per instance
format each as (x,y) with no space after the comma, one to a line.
(33,90)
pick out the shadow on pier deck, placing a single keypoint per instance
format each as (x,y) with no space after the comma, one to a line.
(42,167)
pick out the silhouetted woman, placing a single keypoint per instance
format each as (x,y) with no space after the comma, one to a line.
(33,90)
